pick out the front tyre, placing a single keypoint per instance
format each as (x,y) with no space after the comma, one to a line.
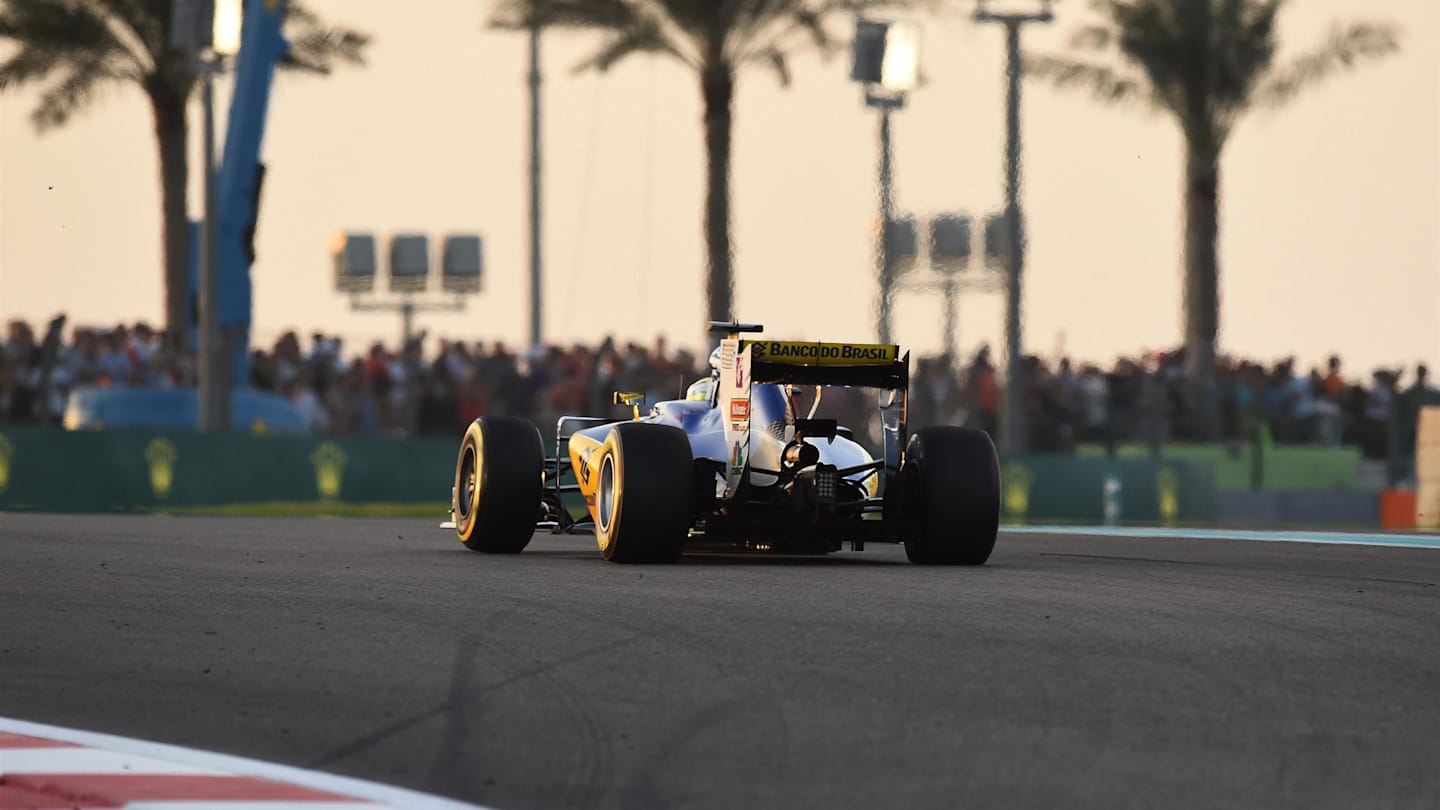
(642,503)
(950,513)
(498,480)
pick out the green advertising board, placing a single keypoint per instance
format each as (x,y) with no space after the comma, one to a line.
(47,469)
(1066,489)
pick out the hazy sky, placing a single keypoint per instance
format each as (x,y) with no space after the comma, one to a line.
(1330,206)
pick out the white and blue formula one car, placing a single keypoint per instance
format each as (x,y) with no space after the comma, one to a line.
(735,467)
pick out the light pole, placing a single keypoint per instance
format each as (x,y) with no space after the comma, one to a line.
(948,256)
(209,32)
(884,253)
(886,60)
(210,378)
(536,288)
(950,249)
(355,260)
(1013,431)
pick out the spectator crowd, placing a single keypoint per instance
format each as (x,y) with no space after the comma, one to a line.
(412,391)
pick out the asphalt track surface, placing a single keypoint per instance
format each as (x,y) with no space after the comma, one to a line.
(1068,672)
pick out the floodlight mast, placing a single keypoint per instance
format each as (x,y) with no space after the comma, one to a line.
(212,381)
(1013,430)
(209,33)
(537,288)
(887,64)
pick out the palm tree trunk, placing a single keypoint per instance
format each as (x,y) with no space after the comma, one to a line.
(172,135)
(718,86)
(1202,279)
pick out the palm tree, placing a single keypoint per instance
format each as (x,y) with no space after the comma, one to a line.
(714,38)
(77,47)
(1207,63)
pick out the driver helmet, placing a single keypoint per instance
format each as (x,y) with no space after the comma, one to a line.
(699,391)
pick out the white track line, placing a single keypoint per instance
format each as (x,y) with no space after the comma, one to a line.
(1389,540)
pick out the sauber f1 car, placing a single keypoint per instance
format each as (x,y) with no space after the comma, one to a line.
(736,467)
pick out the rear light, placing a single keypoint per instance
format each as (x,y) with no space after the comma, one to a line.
(827,483)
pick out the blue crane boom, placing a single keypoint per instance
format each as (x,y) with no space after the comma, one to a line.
(262,47)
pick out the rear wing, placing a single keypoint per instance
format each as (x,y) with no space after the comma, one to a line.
(869,365)
(744,363)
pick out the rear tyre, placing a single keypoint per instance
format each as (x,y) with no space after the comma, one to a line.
(642,503)
(498,479)
(950,513)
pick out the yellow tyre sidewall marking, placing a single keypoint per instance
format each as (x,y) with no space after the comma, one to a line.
(605,535)
(474,439)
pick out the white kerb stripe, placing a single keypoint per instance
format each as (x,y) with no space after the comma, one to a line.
(254,806)
(318,780)
(91,761)
(265,805)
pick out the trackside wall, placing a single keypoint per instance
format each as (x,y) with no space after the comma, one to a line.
(46,469)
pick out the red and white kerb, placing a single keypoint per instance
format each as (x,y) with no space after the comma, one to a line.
(51,768)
